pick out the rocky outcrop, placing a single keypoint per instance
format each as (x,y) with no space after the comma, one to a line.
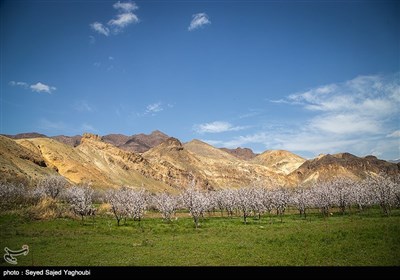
(326,167)
(241,153)
(72,141)
(279,160)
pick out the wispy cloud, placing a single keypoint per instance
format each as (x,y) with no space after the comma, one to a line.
(394,134)
(362,105)
(198,20)
(100,28)
(125,6)
(359,116)
(216,127)
(19,84)
(122,19)
(82,106)
(38,87)
(154,108)
(250,114)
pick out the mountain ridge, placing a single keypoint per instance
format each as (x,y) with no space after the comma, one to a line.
(170,164)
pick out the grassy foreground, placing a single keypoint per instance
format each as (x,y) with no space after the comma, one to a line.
(357,239)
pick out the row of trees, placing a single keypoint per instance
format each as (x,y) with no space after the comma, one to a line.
(248,201)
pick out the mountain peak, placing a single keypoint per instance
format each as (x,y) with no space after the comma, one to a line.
(26,135)
(172,142)
(241,153)
(158,133)
(344,156)
(203,149)
(197,142)
(91,136)
(280,160)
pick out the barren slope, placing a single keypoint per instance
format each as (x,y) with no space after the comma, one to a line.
(241,153)
(212,167)
(18,164)
(326,167)
(95,161)
(205,150)
(279,160)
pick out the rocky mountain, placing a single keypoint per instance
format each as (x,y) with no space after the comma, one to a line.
(19,164)
(211,167)
(116,139)
(325,167)
(141,143)
(280,161)
(241,153)
(25,135)
(205,150)
(170,165)
(72,141)
(138,143)
(95,161)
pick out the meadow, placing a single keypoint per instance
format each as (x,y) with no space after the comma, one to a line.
(358,239)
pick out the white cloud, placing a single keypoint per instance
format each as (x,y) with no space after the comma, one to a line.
(123,20)
(154,108)
(216,127)
(100,28)
(39,87)
(110,58)
(345,123)
(360,116)
(364,95)
(198,20)
(394,134)
(125,6)
(19,84)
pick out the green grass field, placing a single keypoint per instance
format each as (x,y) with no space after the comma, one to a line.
(357,239)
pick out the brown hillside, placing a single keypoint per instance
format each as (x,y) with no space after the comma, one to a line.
(72,141)
(116,139)
(25,135)
(241,153)
(203,149)
(212,167)
(347,165)
(279,160)
(95,161)
(170,165)
(19,164)
(141,143)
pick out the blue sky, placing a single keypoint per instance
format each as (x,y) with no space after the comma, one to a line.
(306,76)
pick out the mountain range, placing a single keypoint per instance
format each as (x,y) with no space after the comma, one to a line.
(158,162)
